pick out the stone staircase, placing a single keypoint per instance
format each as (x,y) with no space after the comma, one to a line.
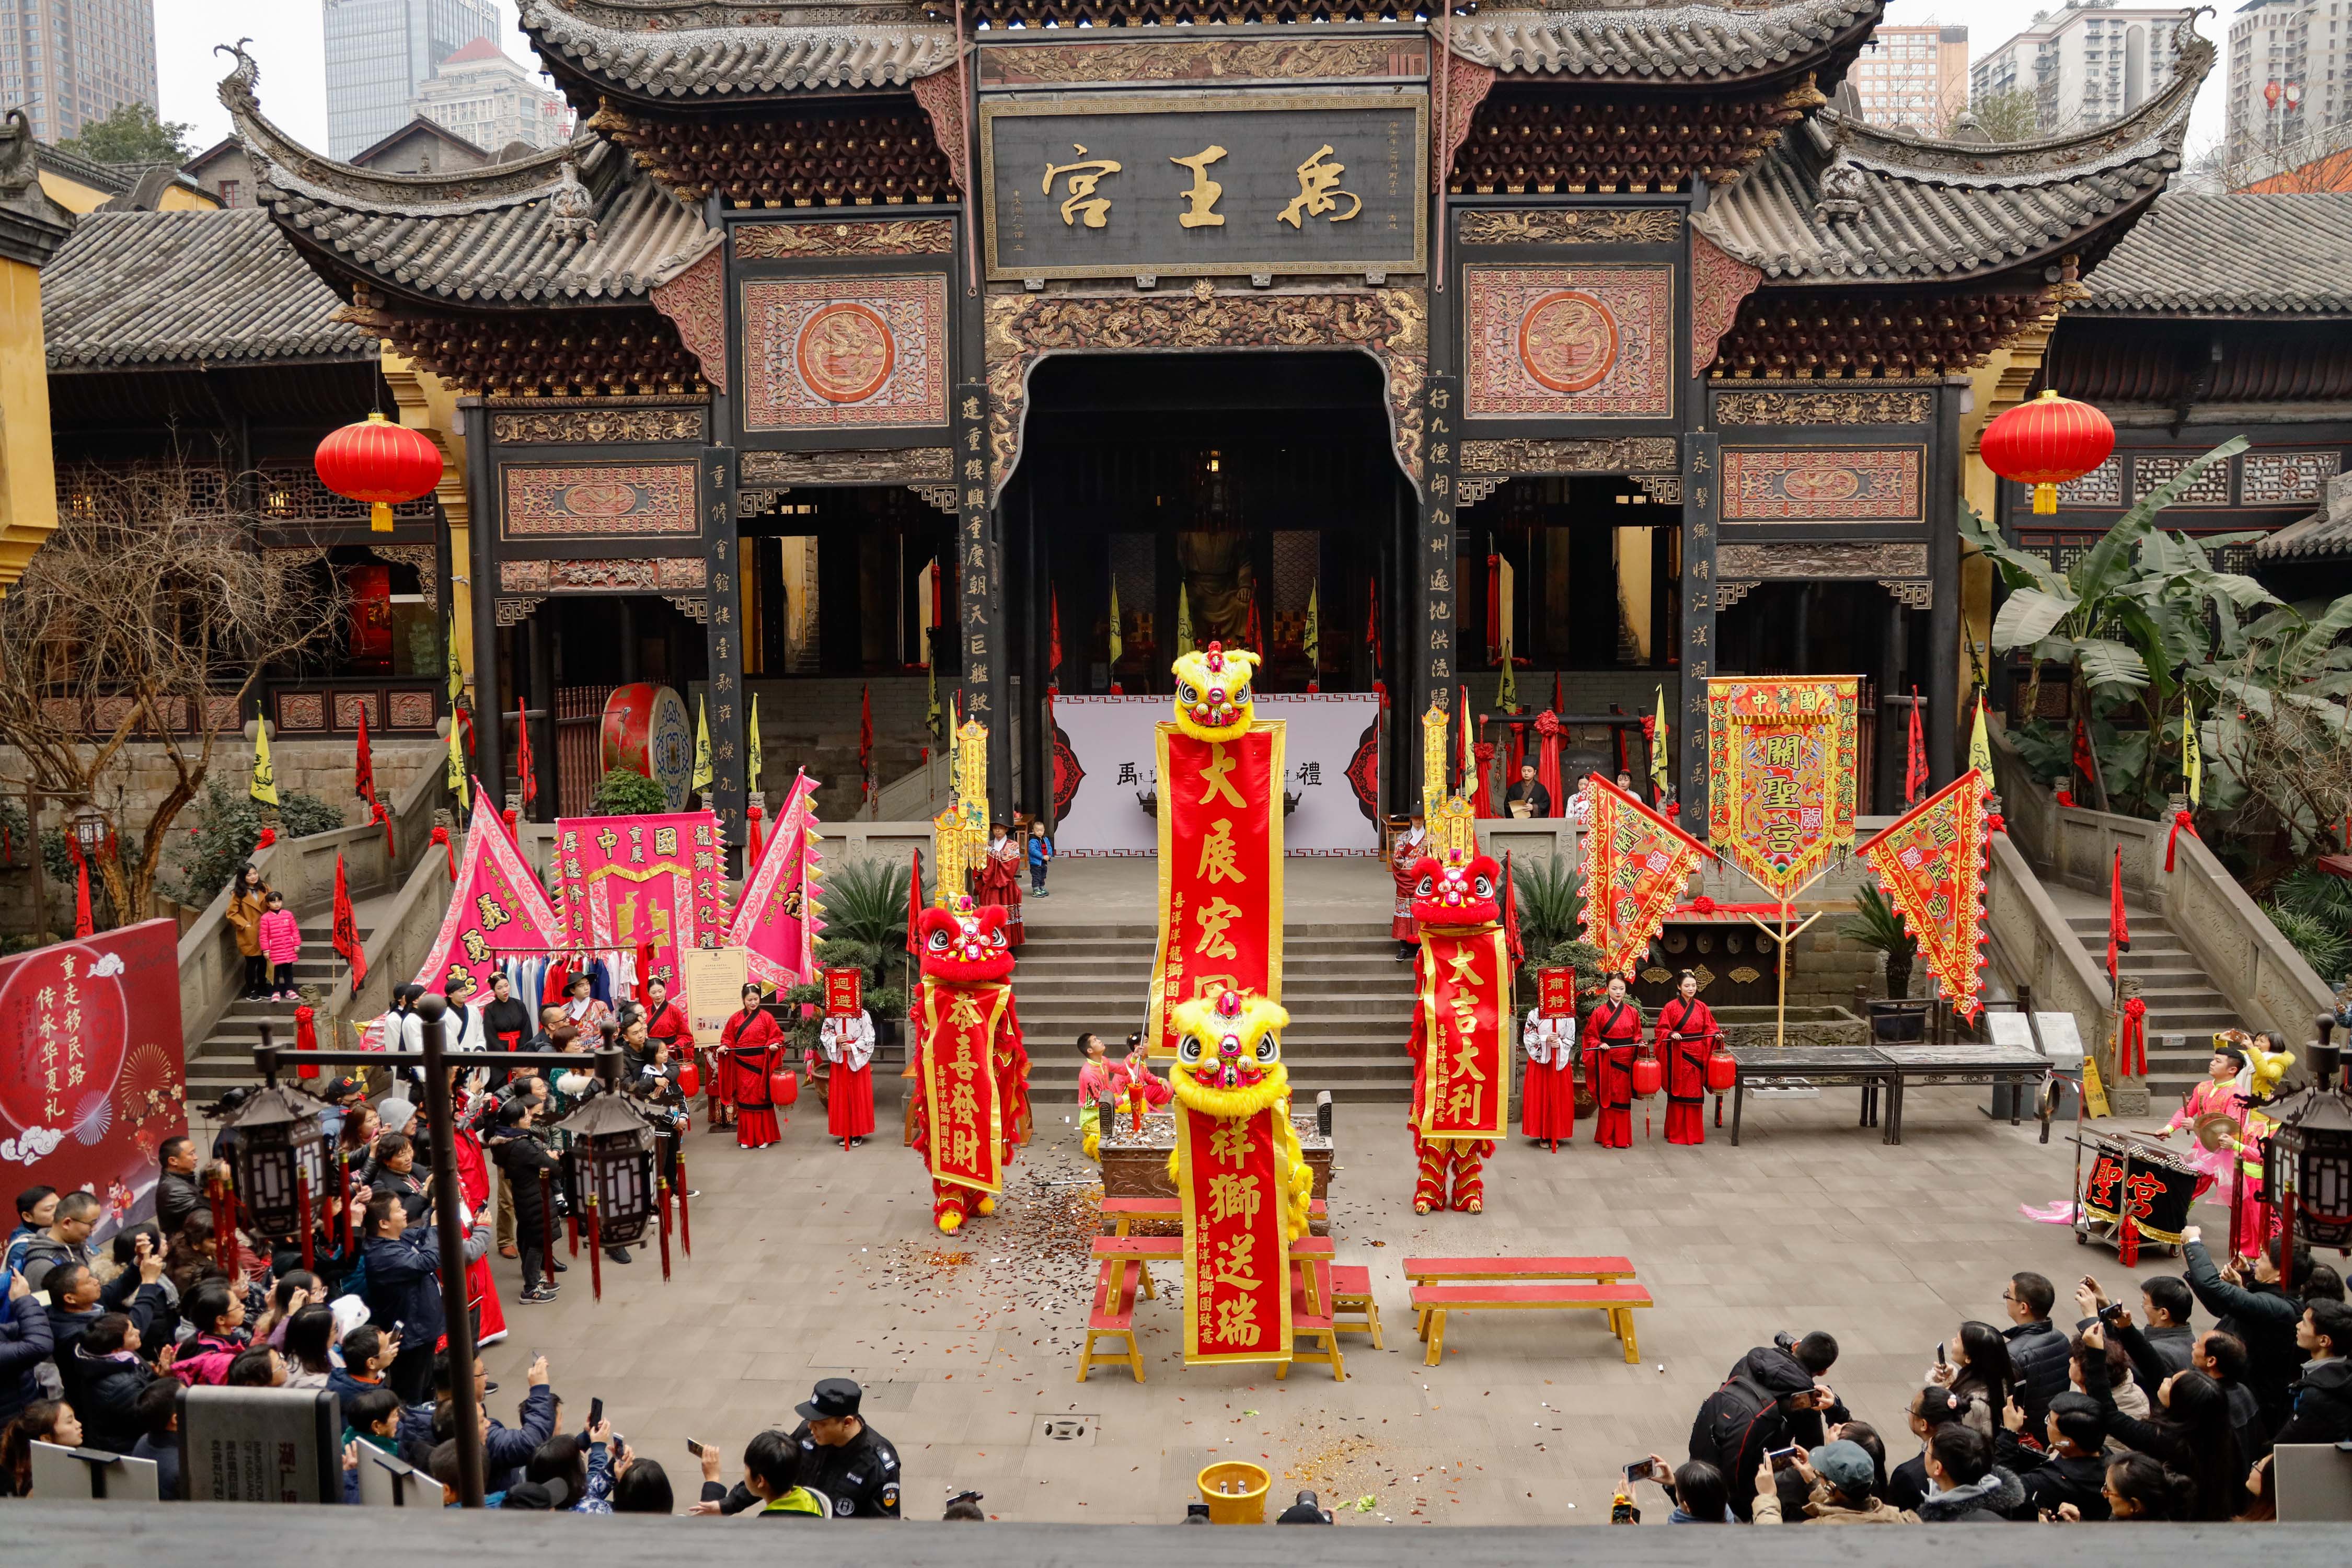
(2181,999)
(225,1059)
(1350,1006)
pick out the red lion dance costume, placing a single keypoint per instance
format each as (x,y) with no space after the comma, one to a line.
(1461,1089)
(970,1109)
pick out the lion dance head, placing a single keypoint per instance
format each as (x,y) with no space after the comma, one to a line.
(1229,1044)
(1212,692)
(1459,890)
(964,945)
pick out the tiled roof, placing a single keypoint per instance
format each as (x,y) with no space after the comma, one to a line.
(1838,201)
(2325,533)
(2279,256)
(1661,43)
(719,50)
(576,224)
(150,288)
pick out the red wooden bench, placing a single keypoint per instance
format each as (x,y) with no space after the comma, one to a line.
(1433,1302)
(1143,1251)
(1113,1317)
(1353,1310)
(1124,1212)
(1457,1270)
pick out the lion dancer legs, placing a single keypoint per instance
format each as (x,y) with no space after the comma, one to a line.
(953,1203)
(1462,1161)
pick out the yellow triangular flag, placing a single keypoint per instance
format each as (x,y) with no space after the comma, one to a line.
(702,773)
(1660,746)
(1118,644)
(1184,622)
(2192,755)
(1311,644)
(931,699)
(1506,683)
(753,762)
(457,674)
(264,772)
(1980,743)
(454,777)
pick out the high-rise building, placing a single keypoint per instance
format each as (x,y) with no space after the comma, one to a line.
(2086,63)
(493,100)
(380,54)
(2290,74)
(1913,77)
(71,63)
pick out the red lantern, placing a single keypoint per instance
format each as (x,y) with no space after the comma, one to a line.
(1648,1077)
(785,1087)
(1722,1072)
(378,461)
(2047,442)
(689,1080)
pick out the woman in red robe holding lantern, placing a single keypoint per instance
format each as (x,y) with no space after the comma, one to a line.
(1611,1035)
(753,1045)
(1686,1033)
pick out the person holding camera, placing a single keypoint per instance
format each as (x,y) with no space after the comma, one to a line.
(523,1160)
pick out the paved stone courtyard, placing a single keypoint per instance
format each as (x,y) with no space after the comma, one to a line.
(812,1262)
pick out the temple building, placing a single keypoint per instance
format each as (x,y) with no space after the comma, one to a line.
(1006,344)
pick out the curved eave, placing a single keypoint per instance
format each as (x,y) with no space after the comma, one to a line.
(674,68)
(1677,46)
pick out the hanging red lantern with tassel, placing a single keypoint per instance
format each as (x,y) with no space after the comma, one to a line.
(381,463)
(2046,443)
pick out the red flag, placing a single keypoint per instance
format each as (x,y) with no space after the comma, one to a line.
(1511,913)
(523,756)
(1914,757)
(364,762)
(347,930)
(306,1038)
(866,737)
(1373,622)
(2083,763)
(755,814)
(1555,692)
(1054,662)
(914,900)
(2118,932)
(83,924)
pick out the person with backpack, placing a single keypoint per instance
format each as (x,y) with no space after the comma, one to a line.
(1772,1398)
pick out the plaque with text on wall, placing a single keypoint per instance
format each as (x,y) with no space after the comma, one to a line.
(1187,186)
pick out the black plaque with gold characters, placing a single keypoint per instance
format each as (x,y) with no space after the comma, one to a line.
(1702,507)
(1185,186)
(723,640)
(1439,665)
(980,591)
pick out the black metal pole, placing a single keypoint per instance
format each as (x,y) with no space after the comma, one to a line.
(440,1120)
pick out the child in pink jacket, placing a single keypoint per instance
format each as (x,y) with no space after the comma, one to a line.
(281,944)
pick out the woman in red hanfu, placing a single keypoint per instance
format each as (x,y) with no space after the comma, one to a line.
(1686,1033)
(1611,1035)
(752,1045)
(998,884)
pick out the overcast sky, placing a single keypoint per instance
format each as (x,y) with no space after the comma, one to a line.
(287,42)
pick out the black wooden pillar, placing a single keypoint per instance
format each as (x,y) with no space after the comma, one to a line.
(980,580)
(1702,508)
(482,564)
(723,641)
(542,698)
(1941,725)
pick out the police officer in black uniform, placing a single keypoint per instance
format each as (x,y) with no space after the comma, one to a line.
(841,1457)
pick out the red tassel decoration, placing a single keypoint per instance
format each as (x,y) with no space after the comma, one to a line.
(664,1187)
(306,1038)
(383,818)
(685,1222)
(269,837)
(441,836)
(2127,1248)
(754,812)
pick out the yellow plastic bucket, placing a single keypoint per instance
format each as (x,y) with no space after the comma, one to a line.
(1235,1492)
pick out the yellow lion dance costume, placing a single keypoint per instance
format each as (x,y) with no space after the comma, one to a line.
(1229,1065)
(1212,692)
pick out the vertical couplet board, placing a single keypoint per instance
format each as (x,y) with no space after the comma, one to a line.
(724,642)
(1701,508)
(1435,666)
(980,590)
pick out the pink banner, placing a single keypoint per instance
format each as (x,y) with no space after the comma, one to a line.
(497,908)
(773,923)
(636,882)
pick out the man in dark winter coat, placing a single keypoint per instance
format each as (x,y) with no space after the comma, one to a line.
(176,1193)
(2039,1353)
(73,1308)
(2257,1313)
(505,1449)
(1970,1488)
(25,1344)
(1770,1400)
(107,1379)
(2073,1468)
(2322,1409)
(403,1289)
(2222,1358)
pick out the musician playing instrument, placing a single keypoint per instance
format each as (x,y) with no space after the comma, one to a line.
(1611,1035)
(2218,1094)
(1686,1033)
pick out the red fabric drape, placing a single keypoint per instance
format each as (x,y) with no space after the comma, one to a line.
(1914,757)
(2118,929)
(306,1038)
(523,765)
(1372,623)
(83,924)
(914,900)
(866,739)
(2180,820)
(1495,602)
(441,836)
(1518,949)
(1548,770)
(2133,1047)
(755,813)
(364,762)
(1484,754)
(382,818)
(1054,661)
(346,929)
(2082,761)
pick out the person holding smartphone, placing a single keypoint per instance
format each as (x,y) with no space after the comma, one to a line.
(1836,1478)
(1696,1490)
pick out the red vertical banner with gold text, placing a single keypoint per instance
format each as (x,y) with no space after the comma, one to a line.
(1236,1259)
(1465,995)
(1781,773)
(1219,871)
(960,1083)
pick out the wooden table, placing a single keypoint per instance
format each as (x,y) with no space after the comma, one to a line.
(1863,1065)
(1962,1061)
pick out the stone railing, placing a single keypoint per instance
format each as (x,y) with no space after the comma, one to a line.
(402,941)
(2268,984)
(212,972)
(2029,943)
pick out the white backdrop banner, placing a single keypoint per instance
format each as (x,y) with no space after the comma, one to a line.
(1330,756)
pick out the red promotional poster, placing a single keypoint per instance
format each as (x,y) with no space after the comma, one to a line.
(960,1084)
(1464,998)
(1236,1270)
(644,882)
(773,922)
(1219,871)
(842,987)
(92,1077)
(497,908)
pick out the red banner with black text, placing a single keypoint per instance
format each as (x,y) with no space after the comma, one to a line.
(1236,1258)
(1465,999)
(1219,871)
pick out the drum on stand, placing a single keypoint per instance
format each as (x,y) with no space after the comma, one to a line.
(2131,1175)
(647,731)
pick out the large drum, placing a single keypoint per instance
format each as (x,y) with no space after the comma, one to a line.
(2132,1175)
(647,731)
